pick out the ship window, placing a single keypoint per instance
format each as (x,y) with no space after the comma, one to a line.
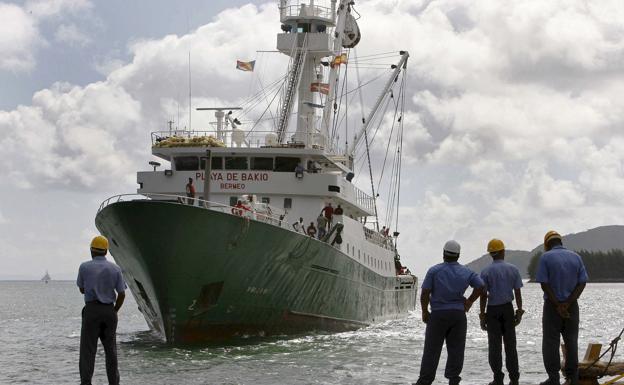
(262,164)
(287,203)
(186,163)
(233,201)
(333,188)
(286,164)
(266,200)
(358,253)
(236,163)
(215,164)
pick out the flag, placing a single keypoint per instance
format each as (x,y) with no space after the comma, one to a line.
(340,59)
(320,87)
(245,65)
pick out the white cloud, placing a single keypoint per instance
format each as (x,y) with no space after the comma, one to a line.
(3,220)
(20,35)
(70,34)
(42,9)
(513,125)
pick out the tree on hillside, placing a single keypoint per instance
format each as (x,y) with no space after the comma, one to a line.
(532,268)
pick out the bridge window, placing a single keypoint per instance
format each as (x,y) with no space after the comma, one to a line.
(286,164)
(236,163)
(266,200)
(262,164)
(233,201)
(287,203)
(333,188)
(186,163)
(216,163)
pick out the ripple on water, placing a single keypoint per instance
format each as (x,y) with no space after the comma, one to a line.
(39,336)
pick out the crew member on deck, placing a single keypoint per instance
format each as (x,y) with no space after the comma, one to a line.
(190,192)
(98,280)
(311,230)
(563,276)
(321,223)
(502,281)
(328,211)
(444,285)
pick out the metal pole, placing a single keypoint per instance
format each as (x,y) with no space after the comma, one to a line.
(207,172)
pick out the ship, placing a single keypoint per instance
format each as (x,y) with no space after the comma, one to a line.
(238,258)
(46,277)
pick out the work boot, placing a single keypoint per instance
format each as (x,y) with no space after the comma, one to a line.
(496,383)
(514,382)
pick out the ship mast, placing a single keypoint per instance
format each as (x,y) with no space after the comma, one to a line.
(311,32)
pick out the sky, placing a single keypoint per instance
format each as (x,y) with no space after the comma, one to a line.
(513,125)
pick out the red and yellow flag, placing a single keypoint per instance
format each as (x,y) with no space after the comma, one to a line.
(247,66)
(320,87)
(340,59)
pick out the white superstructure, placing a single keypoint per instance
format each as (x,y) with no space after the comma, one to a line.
(296,172)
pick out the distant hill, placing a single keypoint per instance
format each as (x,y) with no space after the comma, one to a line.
(603,238)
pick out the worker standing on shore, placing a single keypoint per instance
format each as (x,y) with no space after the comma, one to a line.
(563,276)
(444,286)
(502,281)
(98,280)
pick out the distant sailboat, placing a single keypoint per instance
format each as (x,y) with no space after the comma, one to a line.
(46,278)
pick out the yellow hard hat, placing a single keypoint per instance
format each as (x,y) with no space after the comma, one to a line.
(552,234)
(495,245)
(100,243)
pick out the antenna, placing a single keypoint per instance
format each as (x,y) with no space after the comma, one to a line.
(190,89)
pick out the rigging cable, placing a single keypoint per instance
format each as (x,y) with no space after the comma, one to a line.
(370,168)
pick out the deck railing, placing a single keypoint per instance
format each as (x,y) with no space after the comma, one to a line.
(294,8)
(200,203)
(233,138)
(378,239)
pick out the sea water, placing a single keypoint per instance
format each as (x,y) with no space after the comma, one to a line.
(40,334)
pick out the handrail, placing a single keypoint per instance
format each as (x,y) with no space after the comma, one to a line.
(203,204)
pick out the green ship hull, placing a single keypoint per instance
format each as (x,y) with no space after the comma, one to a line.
(202,275)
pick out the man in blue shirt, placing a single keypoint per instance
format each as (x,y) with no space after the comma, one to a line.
(502,281)
(98,280)
(563,276)
(444,286)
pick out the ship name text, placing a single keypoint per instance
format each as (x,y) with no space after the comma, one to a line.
(235,176)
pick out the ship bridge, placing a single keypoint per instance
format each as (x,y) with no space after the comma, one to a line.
(289,176)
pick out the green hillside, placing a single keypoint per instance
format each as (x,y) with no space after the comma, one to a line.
(600,239)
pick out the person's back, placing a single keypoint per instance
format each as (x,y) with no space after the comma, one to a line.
(103,287)
(444,287)
(501,278)
(563,269)
(449,281)
(99,278)
(562,276)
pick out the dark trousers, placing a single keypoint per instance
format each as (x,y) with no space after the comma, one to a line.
(554,326)
(99,321)
(449,326)
(501,328)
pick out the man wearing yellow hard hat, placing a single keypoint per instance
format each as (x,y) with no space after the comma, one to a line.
(502,281)
(563,276)
(103,287)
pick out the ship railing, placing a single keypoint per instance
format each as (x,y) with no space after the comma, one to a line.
(234,139)
(293,8)
(363,199)
(378,238)
(201,203)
